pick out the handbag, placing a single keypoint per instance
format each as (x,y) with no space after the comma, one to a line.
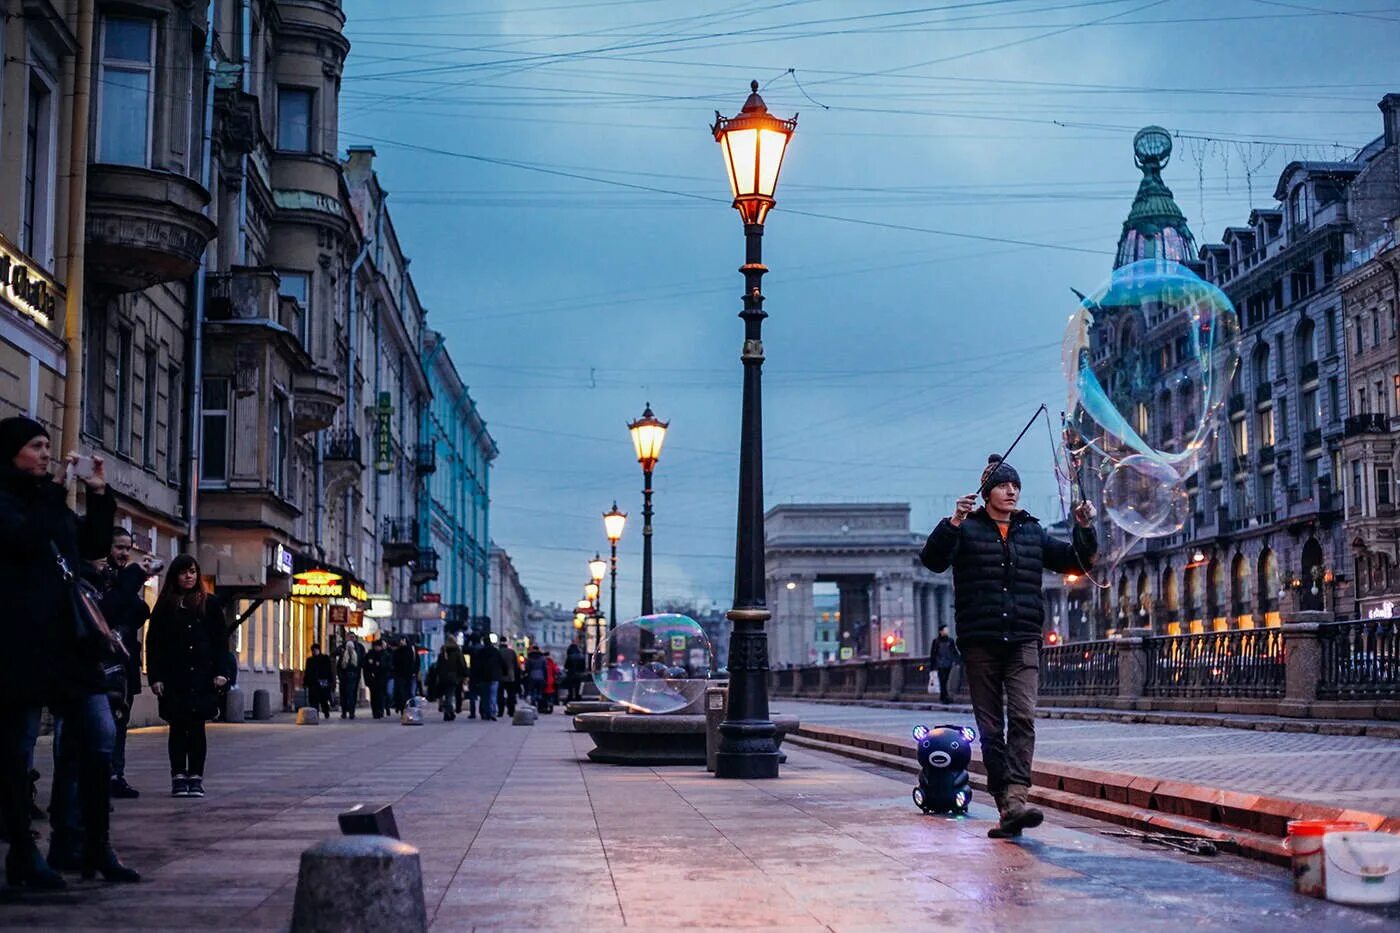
(90,625)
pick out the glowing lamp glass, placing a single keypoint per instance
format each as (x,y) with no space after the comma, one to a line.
(597,568)
(590,591)
(648,434)
(613,523)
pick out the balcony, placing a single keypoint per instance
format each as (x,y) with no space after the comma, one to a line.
(425,567)
(456,617)
(1367,424)
(342,444)
(1239,464)
(236,114)
(398,542)
(1262,393)
(316,396)
(1312,439)
(425,459)
(1237,403)
(144,227)
(1266,455)
(1309,372)
(1214,472)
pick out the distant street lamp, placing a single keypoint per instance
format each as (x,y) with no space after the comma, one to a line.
(613,523)
(648,434)
(753,144)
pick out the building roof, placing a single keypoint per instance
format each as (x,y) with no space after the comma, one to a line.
(1156,227)
(1312,168)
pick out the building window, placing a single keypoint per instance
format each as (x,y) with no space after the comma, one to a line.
(214,463)
(1264,430)
(148,409)
(1266,492)
(1334,399)
(294,119)
(1239,432)
(1282,416)
(1310,412)
(1330,338)
(123,374)
(95,374)
(1383,486)
(173,394)
(277,446)
(126,86)
(1375,328)
(1357,330)
(1361,407)
(297,285)
(1356,503)
(36,229)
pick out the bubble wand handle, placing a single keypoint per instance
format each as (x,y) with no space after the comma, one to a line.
(1042,408)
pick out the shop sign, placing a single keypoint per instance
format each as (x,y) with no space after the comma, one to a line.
(1386,610)
(26,287)
(384,441)
(381,606)
(425,610)
(282,559)
(338,615)
(432,597)
(332,584)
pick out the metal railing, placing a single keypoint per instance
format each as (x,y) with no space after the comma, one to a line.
(810,678)
(342,444)
(1086,668)
(1248,663)
(1360,660)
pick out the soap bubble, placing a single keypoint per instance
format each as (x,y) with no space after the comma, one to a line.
(1145,497)
(1148,358)
(654,664)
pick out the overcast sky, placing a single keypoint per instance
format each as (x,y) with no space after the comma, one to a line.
(971,162)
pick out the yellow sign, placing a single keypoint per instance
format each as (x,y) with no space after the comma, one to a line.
(326,583)
(27,287)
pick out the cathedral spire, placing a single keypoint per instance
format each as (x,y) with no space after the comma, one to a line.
(1156,228)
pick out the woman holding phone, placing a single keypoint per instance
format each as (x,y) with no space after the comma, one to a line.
(187,664)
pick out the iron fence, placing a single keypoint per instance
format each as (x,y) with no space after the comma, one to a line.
(1248,663)
(786,677)
(1360,660)
(810,678)
(880,677)
(1085,668)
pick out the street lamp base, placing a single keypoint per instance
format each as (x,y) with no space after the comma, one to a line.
(747,750)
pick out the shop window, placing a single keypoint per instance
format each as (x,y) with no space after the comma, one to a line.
(213,465)
(294,119)
(126,91)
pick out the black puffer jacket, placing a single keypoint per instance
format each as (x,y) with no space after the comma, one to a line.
(997,583)
(41,663)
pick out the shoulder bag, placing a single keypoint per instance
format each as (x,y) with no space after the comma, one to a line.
(93,633)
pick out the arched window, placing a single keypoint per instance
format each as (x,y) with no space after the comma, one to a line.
(1312,577)
(1269,581)
(1144,599)
(1192,580)
(1240,603)
(1216,592)
(1261,364)
(1305,346)
(1170,596)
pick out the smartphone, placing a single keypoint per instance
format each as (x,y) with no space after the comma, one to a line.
(84,467)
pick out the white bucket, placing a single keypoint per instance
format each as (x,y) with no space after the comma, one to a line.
(1362,868)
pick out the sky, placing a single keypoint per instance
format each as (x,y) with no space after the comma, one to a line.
(958,166)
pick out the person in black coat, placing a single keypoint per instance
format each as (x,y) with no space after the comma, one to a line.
(126,611)
(574,666)
(319,677)
(405,672)
(998,554)
(187,664)
(943,657)
(42,546)
(485,673)
(377,666)
(349,663)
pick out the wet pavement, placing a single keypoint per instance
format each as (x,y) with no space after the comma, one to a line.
(516,831)
(1355,772)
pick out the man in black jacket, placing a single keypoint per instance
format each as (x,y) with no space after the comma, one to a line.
(998,553)
(942,658)
(123,581)
(319,676)
(377,665)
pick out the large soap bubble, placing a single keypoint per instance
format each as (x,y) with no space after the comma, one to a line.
(654,664)
(1148,358)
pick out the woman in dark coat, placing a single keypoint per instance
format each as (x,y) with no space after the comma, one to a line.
(451,670)
(41,663)
(187,664)
(319,676)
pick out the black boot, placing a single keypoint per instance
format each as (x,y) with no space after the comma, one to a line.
(25,867)
(65,851)
(103,861)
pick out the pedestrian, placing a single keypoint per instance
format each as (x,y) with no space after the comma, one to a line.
(451,671)
(376,675)
(187,664)
(942,658)
(551,683)
(998,553)
(42,546)
(349,662)
(405,670)
(510,678)
(535,675)
(486,673)
(126,611)
(573,670)
(318,678)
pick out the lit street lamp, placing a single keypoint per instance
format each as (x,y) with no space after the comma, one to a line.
(753,144)
(613,523)
(648,434)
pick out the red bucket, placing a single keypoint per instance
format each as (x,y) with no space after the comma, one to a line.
(1305,843)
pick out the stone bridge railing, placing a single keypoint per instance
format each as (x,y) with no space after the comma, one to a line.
(1309,667)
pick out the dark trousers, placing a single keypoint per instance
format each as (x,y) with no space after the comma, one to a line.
(320,698)
(84,734)
(378,700)
(119,746)
(19,730)
(574,681)
(945,675)
(188,747)
(403,692)
(505,696)
(349,692)
(1004,679)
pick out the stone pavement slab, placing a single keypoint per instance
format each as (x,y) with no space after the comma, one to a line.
(518,832)
(1355,772)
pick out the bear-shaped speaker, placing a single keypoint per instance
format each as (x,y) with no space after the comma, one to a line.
(944,753)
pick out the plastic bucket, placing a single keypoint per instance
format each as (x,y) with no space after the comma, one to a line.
(1305,844)
(1362,868)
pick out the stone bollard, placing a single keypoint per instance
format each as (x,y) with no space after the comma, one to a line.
(716,700)
(1302,662)
(235,705)
(262,704)
(353,883)
(1132,668)
(308,716)
(525,715)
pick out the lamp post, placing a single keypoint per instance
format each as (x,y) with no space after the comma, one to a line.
(613,523)
(590,593)
(648,434)
(597,569)
(753,144)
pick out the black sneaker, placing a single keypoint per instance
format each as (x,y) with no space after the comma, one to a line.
(196,786)
(122,790)
(179,786)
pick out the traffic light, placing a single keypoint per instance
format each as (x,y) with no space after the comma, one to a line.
(1052,638)
(889,641)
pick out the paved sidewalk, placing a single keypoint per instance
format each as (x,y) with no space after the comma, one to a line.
(516,832)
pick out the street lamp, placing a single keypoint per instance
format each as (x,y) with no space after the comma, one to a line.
(648,434)
(613,523)
(753,144)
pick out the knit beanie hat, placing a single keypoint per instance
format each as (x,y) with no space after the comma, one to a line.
(997,472)
(15,433)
